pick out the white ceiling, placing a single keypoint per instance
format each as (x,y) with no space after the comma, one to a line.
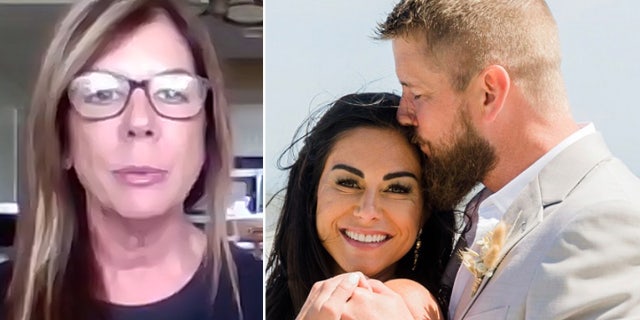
(27,26)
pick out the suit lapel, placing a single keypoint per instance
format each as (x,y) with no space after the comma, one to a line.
(552,185)
(561,176)
(522,217)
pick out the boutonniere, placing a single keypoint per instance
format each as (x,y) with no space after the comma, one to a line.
(483,264)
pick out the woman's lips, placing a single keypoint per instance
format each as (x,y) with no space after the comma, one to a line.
(140,176)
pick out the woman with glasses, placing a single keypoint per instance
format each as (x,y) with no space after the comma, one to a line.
(127,130)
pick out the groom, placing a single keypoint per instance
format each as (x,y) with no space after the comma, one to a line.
(483,88)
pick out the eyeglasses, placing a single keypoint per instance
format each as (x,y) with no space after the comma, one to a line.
(98,95)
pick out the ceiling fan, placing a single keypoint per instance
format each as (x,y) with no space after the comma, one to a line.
(245,13)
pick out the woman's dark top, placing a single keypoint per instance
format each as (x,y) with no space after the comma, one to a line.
(192,302)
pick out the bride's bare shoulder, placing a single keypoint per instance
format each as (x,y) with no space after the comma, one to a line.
(418,299)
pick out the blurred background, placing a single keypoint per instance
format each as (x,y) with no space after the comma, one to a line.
(318,51)
(26,27)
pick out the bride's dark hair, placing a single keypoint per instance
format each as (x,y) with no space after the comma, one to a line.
(298,259)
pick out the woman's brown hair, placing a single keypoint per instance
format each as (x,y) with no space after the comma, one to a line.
(55,274)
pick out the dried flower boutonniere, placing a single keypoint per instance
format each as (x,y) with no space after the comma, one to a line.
(484,263)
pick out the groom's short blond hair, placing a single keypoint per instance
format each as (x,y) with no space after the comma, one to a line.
(465,36)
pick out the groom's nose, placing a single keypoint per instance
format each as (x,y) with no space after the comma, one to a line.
(406,113)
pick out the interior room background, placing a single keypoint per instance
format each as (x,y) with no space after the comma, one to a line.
(26,26)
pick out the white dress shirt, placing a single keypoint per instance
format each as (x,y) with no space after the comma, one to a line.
(495,206)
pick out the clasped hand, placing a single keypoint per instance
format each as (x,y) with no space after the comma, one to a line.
(351,296)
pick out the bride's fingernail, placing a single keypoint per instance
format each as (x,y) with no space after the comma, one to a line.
(353,278)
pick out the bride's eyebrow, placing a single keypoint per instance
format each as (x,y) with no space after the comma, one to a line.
(399,174)
(348,168)
(388,176)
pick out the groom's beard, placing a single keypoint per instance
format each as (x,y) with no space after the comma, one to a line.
(453,171)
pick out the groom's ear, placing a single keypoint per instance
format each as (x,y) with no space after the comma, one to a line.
(495,84)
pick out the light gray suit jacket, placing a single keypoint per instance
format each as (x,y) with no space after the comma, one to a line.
(573,244)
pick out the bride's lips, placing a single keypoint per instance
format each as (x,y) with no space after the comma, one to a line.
(140,176)
(365,239)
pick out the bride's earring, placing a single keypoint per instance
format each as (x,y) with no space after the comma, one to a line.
(416,251)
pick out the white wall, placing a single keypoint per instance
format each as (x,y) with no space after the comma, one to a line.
(317,51)
(8,140)
(246,127)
